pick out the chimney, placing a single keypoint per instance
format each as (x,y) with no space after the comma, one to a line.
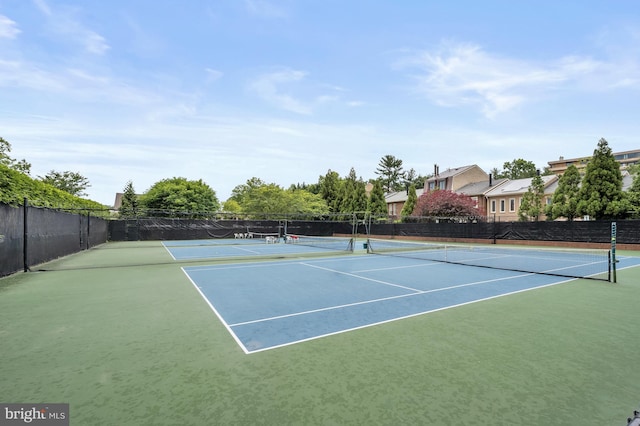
(490,179)
(436,170)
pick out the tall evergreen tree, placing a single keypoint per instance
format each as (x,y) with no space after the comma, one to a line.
(377,203)
(361,201)
(329,185)
(410,204)
(565,199)
(601,195)
(353,194)
(130,205)
(390,172)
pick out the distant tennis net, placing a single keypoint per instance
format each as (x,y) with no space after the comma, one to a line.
(571,263)
(329,243)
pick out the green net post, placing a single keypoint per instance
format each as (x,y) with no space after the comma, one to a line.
(613,251)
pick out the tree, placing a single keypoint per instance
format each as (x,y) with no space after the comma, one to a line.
(259,198)
(410,204)
(412,177)
(565,199)
(5,149)
(517,169)
(177,195)
(71,182)
(353,194)
(445,203)
(390,172)
(531,206)
(265,199)
(21,166)
(329,187)
(240,192)
(231,206)
(633,193)
(16,186)
(377,202)
(130,206)
(601,195)
(302,201)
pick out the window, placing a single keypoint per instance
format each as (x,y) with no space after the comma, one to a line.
(502,203)
(512,204)
(443,184)
(493,206)
(432,186)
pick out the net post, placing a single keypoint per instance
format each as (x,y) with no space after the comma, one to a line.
(612,266)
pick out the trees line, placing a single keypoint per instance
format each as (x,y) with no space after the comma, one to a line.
(598,193)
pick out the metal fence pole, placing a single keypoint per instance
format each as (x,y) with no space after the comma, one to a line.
(25,236)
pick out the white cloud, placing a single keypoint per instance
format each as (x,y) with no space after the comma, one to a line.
(8,28)
(465,74)
(76,84)
(19,74)
(277,88)
(269,88)
(65,23)
(93,42)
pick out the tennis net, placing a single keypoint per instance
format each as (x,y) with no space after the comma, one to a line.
(571,263)
(329,243)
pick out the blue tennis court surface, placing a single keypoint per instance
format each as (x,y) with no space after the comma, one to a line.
(231,248)
(272,304)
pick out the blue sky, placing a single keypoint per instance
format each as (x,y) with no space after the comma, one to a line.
(228,90)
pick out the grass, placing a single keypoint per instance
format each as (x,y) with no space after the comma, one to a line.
(139,346)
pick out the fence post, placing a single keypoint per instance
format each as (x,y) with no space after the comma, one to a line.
(88,229)
(25,235)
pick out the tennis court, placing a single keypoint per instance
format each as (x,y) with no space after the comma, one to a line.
(271,246)
(272,304)
(121,332)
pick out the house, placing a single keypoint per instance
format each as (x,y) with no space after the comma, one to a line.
(395,201)
(477,191)
(625,158)
(118,201)
(503,201)
(451,179)
(454,179)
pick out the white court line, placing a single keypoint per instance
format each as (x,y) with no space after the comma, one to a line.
(403,317)
(238,341)
(360,276)
(244,249)
(391,268)
(168,251)
(417,293)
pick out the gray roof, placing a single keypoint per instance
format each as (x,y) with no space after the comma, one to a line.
(401,196)
(479,188)
(519,186)
(450,172)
